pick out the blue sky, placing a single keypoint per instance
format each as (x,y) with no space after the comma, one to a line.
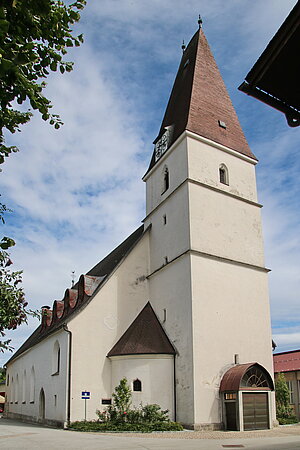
(77,192)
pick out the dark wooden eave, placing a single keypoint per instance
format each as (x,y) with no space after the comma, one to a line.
(275,77)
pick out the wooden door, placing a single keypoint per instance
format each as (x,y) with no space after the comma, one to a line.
(255,411)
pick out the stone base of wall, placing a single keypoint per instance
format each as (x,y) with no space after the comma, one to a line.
(204,426)
(35,420)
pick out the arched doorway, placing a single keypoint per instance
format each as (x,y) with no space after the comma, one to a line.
(246,390)
(42,405)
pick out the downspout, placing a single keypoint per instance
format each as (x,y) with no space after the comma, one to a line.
(175,400)
(65,327)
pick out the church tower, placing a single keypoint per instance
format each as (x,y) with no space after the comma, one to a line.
(208,282)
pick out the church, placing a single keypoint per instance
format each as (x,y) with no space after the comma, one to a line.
(181,307)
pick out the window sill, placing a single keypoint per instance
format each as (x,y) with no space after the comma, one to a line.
(31,402)
(54,374)
(23,403)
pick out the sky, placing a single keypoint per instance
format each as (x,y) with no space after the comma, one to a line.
(77,192)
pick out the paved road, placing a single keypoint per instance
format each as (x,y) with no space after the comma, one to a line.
(15,435)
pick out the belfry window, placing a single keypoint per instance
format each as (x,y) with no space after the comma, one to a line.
(223,174)
(137,385)
(166,180)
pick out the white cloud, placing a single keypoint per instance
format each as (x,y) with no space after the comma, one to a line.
(287,340)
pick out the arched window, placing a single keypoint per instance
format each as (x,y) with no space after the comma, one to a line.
(166,180)
(17,389)
(12,390)
(32,385)
(255,377)
(24,387)
(223,174)
(56,359)
(137,385)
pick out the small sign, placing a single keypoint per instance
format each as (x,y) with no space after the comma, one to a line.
(85,395)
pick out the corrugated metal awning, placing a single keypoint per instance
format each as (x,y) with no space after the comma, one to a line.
(231,380)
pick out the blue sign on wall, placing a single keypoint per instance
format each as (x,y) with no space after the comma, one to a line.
(85,395)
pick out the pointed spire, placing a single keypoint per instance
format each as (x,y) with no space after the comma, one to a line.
(200,21)
(183,46)
(199,101)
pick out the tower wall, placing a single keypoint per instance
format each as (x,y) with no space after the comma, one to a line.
(230,316)
(213,285)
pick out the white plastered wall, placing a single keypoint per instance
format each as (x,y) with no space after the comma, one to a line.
(204,161)
(99,326)
(176,162)
(156,373)
(26,406)
(231,316)
(170,293)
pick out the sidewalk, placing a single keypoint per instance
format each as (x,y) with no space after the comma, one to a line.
(280,431)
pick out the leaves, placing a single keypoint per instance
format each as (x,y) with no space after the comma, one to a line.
(34,37)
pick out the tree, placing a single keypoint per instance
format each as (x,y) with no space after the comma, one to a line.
(122,398)
(284,411)
(2,375)
(34,37)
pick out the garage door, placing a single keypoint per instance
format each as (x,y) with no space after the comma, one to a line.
(255,411)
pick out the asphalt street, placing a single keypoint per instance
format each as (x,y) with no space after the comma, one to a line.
(16,435)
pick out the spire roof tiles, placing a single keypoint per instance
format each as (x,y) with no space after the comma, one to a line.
(199,101)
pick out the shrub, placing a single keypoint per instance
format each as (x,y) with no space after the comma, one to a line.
(153,413)
(120,417)
(125,426)
(284,411)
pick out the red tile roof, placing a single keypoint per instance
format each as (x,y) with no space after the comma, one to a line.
(286,361)
(199,100)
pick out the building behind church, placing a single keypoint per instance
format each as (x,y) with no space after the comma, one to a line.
(181,307)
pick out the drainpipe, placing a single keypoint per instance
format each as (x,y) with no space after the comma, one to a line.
(65,327)
(175,401)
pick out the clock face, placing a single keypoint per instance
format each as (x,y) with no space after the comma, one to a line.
(161,145)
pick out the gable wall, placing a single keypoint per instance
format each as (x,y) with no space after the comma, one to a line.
(99,326)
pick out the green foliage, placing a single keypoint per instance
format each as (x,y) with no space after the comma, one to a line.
(121,400)
(34,37)
(284,411)
(121,417)
(287,421)
(13,305)
(2,375)
(125,426)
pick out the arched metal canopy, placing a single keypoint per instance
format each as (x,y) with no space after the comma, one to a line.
(250,376)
